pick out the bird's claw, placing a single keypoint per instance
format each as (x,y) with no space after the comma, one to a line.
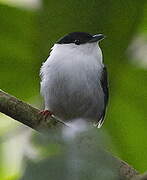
(46,113)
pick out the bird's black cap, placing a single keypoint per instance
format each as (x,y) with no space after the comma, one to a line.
(80,38)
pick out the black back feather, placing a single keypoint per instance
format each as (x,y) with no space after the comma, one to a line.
(104,84)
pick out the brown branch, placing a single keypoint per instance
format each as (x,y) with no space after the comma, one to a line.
(28,115)
(140,177)
(23,112)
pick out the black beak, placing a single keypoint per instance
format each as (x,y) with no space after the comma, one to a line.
(96,38)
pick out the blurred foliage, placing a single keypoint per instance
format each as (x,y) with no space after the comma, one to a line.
(18,41)
(80,157)
(26,37)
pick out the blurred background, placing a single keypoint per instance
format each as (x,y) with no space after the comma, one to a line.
(28,29)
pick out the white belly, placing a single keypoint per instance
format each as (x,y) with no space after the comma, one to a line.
(72,89)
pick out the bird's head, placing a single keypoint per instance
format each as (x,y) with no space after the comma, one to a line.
(80,38)
(80,41)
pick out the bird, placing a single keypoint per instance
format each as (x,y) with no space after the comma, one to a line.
(74,80)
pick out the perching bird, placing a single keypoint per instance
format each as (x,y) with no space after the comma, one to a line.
(74,79)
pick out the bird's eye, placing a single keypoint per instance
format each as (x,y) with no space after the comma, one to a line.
(77,42)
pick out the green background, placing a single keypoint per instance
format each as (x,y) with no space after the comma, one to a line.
(26,36)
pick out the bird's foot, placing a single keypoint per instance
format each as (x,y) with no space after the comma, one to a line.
(46,113)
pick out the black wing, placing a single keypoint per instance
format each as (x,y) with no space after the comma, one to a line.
(104,84)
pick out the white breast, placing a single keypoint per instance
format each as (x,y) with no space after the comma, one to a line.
(71,81)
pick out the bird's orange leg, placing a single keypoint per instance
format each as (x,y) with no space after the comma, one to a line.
(46,113)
